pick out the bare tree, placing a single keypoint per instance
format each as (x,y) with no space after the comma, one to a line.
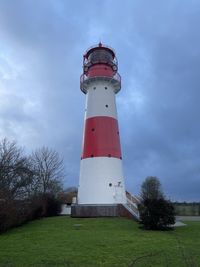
(48,170)
(21,177)
(15,173)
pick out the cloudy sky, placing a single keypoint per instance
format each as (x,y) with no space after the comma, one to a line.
(158,49)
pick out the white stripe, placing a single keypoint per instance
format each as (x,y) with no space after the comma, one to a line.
(100,101)
(101,181)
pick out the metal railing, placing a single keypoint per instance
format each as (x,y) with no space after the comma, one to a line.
(132,198)
(131,204)
(133,207)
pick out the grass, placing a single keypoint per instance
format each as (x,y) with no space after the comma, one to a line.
(102,242)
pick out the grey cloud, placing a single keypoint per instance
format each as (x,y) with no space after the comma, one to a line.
(157,45)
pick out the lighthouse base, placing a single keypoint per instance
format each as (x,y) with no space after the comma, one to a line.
(89,211)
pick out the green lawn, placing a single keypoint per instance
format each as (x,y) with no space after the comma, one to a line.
(98,242)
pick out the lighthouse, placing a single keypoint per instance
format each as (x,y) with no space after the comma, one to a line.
(101,180)
(101,190)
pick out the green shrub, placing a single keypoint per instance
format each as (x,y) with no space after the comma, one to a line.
(17,212)
(156,214)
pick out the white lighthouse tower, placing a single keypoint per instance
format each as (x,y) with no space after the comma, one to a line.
(101,176)
(101,190)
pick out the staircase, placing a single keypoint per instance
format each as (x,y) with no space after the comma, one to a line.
(128,210)
(132,206)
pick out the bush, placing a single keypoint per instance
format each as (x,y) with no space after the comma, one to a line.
(156,214)
(17,212)
(53,206)
(13,213)
(6,211)
(155,211)
(45,205)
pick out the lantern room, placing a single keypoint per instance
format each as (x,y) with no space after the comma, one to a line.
(100,61)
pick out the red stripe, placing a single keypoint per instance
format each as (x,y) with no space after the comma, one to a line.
(100,70)
(101,138)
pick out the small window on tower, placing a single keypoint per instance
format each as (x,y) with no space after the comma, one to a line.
(106,106)
(106,88)
(110,184)
(94,88)
(92,156)
(93,129)
(109,155)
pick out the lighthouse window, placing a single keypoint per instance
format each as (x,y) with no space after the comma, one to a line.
(93,129)
(101,56)
(92,156)
(94,88)
(106,88)
(109,155)
(117,132)
(106,106)
(110,184)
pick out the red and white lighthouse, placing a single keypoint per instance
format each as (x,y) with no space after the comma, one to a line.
(101,176)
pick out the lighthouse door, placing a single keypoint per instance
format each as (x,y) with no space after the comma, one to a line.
(118,193)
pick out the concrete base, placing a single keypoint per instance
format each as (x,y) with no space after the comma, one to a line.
(83,210)
(88,211)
